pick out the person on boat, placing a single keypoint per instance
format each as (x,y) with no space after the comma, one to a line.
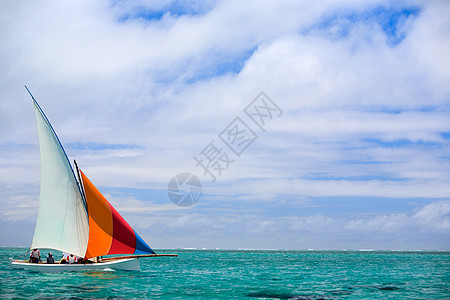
(64,258)
(50,258)
(35,256)
(72,259)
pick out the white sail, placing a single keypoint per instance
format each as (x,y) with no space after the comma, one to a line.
(62,221)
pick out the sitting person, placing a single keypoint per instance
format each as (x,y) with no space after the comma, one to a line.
(72,259)
(64,258)
(50,258)
(35,256)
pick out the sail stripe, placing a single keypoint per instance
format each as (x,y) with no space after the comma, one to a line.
(141,246)
(124,239)
(100,225)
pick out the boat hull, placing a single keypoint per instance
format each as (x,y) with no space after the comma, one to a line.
(128,264)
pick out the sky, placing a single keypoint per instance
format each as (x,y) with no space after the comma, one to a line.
(309,125)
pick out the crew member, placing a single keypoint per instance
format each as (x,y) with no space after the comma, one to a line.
(64,258)
(72,259)
(35,256)
(50,258)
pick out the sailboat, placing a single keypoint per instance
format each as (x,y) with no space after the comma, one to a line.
(74,217)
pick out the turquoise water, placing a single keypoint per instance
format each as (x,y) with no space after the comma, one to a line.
(213,274)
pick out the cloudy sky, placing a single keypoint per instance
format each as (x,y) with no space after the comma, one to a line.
(354,152)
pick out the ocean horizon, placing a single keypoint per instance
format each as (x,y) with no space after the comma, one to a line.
(277,249)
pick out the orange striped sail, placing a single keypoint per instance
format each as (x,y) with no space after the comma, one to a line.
(109,233)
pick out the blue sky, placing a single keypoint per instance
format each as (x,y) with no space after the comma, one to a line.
(359,158)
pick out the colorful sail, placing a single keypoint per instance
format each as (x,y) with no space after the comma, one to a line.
(109,233)
(62,221)
(85,226)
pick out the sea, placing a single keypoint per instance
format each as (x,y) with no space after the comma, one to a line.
(243,274)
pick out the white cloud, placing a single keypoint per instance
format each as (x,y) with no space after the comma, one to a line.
(18,204)
(252,230)
(435,216)
(362,116)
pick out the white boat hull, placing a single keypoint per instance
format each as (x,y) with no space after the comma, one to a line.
(127,264)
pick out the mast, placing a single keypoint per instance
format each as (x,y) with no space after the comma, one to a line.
(30,94)
(80,186)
